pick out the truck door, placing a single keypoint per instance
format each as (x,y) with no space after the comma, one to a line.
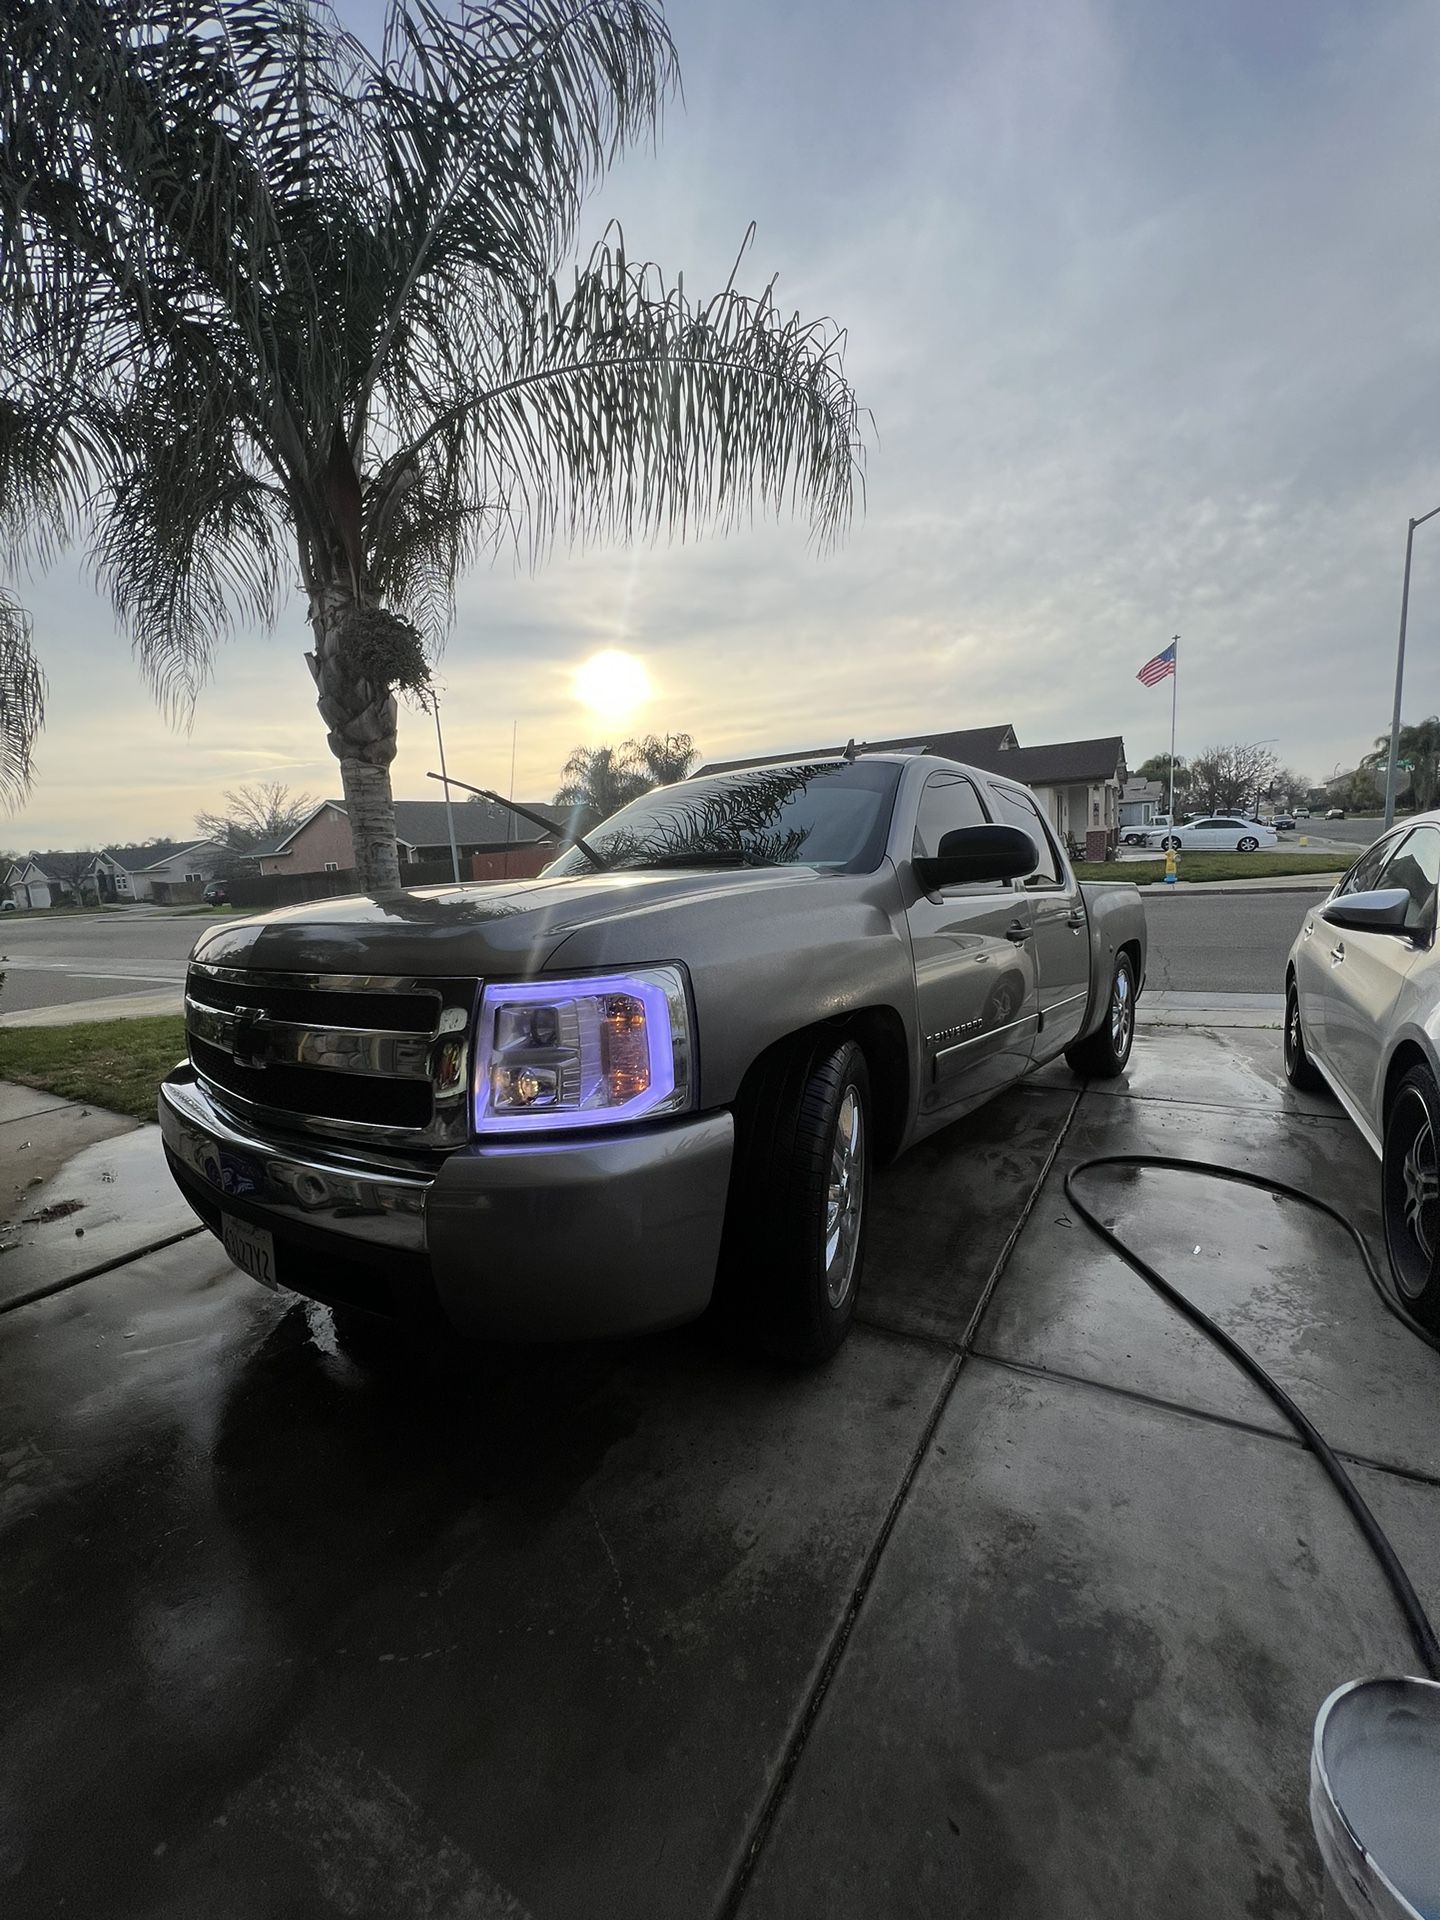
(1062,931)
(975,978)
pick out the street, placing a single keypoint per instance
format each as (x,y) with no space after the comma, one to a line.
(1222,942)
(1199,942)
(50,960)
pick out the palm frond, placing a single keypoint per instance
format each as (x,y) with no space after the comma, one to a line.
(22,703)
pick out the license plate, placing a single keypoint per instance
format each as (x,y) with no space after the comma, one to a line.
(251,1248)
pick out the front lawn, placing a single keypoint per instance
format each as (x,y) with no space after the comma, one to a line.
(117,1064)
(1214,866)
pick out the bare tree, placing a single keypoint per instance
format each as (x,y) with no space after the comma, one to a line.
(1229,779)
(256,814)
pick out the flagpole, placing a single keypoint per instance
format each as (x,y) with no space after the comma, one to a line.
(1174,698)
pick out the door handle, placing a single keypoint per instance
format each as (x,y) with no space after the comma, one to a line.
(1017,931)
(1078,921)
(1337,954)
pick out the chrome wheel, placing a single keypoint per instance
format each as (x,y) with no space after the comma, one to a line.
(1122,1012)
(1412,1191)
(1247,845)
(845,1197)
(1292,1031)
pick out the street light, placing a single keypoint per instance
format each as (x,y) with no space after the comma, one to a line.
(1391,768)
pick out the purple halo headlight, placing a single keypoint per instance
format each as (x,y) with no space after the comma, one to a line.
(593,1051)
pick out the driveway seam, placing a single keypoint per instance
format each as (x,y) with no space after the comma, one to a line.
(840,1639)
(1233,1421)
(104,1266)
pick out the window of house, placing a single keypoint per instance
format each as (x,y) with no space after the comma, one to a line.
(193,879)
(949,801)
(1019,810)
(1415,866)
(332,866)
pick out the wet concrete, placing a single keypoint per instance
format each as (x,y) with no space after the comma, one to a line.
(946,1211)
(35,1145)
(655,1630)
(287,1638)
(1085,1678)
(127,1200)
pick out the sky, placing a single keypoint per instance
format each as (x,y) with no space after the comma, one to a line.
(1145,304)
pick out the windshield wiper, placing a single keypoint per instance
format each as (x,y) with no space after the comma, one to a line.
(525,813)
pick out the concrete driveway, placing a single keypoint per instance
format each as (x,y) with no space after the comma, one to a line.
(1024,1605)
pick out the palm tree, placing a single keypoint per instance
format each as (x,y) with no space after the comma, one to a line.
(22,702)
(662,758)
(288,299)
(1420,752)
(598,781)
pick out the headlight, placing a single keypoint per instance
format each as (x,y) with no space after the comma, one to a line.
(582,1053)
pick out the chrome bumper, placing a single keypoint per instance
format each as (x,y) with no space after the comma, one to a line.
(546,1240)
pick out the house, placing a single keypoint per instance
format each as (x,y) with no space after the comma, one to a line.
(1141,800)
(322,843)
(182,874)
(116,873)
(1077,782)
(28,884)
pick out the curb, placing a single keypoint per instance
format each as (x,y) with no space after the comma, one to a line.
(1323,884)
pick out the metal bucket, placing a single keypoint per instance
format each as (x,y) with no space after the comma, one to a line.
(1375,1799)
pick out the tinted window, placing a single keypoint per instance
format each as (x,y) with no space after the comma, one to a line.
(817,813)
(1019,810)
(1365,874)
(949,801)
(1415,865)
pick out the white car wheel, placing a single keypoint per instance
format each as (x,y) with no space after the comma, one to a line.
(1248,845)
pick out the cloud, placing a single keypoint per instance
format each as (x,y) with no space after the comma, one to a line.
(1145,302)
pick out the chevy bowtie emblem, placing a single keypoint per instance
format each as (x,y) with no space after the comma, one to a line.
(248,1041)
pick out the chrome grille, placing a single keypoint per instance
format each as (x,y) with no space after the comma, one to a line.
(376,1057)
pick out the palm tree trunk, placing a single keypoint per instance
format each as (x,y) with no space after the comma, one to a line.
(361,720)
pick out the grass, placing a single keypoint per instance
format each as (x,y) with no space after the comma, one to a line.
(1214,866)
(117,1064)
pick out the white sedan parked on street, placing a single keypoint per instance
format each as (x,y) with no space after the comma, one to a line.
(1215,833)
(1362,1013)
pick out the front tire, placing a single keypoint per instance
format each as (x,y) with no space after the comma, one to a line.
(1410,1194)
(799,1200)
(1248,845)
(1300,1069)
(1106,1053)
(1171,842)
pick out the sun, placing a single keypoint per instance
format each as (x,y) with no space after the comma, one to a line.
(614,685)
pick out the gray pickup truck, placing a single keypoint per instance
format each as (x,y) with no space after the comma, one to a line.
(655,1080)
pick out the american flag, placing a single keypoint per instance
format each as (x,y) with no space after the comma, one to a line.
(1154,671)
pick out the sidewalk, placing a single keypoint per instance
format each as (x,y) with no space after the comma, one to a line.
(1275,883)
(1025,1604)
(116,1006)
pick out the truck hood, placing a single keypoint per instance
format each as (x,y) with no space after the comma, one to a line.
(503,928)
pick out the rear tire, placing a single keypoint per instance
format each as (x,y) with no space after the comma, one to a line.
(1106,1053)
(1300,1069)
(799,1201)
(1248,845)
(1410,1195)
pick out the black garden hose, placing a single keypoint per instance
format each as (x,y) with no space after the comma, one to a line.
(1416,1619)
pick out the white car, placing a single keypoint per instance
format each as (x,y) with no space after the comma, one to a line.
(1362,1013)
(1215,833)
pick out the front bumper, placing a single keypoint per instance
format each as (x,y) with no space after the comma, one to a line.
(508,1240)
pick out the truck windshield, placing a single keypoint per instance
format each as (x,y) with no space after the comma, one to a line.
(833,814)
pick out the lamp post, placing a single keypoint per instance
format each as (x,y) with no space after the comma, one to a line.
(1391,769)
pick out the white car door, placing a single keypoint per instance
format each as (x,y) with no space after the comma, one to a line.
(1314,968)
(1368,971)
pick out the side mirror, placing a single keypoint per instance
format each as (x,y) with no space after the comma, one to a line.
(1383,911)
(969,855)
